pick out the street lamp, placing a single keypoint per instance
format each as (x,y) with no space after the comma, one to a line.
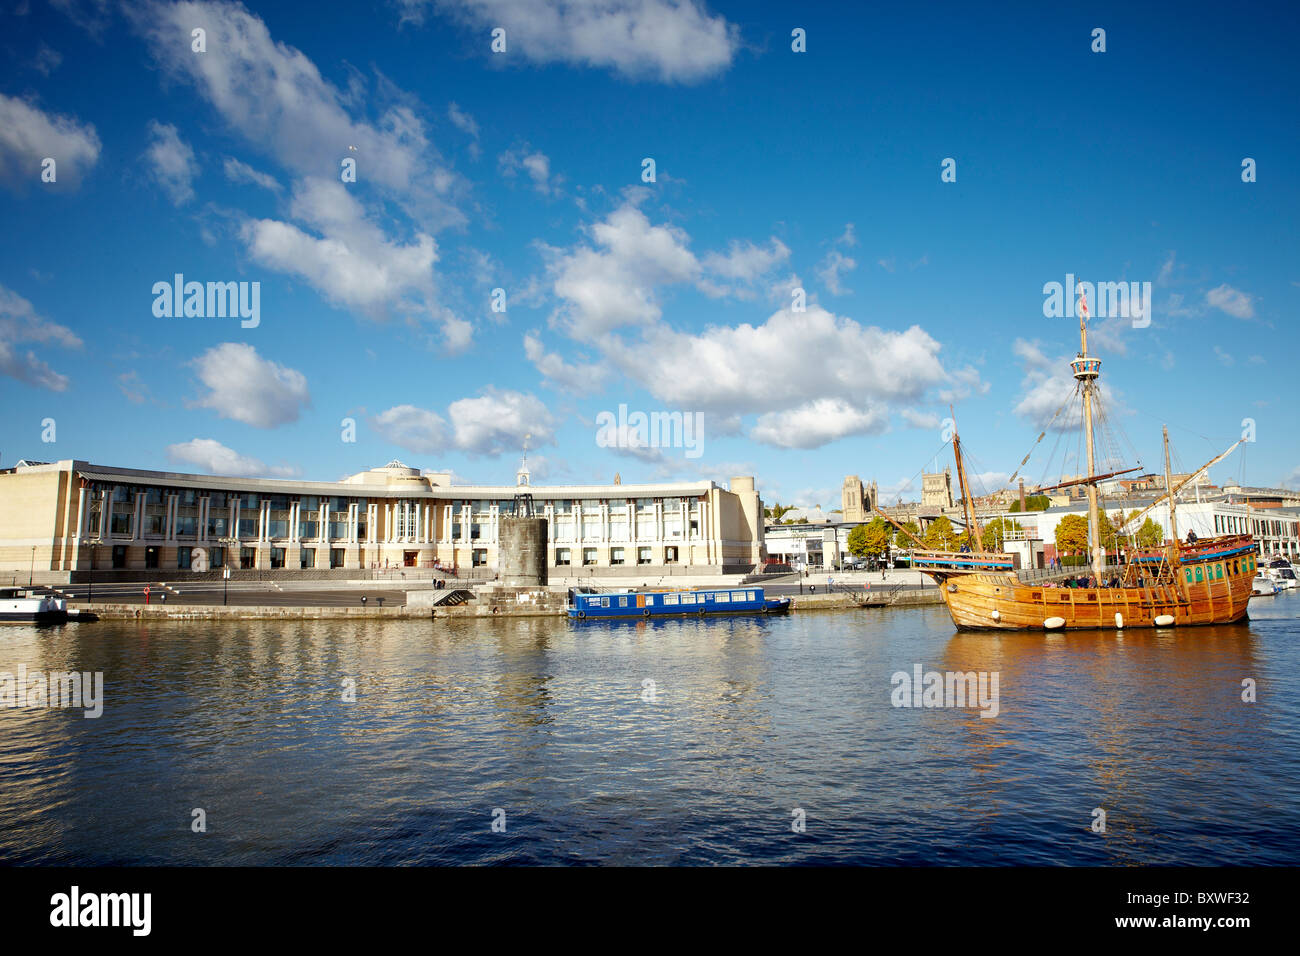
(94,551)
(31,573)
(230,544)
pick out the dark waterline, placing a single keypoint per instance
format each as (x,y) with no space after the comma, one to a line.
(754,718)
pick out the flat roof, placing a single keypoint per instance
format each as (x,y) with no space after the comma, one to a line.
(407,487)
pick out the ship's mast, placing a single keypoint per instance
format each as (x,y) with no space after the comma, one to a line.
(968,508)
(1173,500)
(1087,370)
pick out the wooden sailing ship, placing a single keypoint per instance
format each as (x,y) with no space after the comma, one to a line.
(1179,584)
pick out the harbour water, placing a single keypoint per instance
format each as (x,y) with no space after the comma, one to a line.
(664,742)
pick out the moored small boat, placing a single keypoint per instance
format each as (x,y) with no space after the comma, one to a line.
(18,606)
(700,602)
(1262,586)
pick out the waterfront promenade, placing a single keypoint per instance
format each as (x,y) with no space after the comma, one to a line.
(389,599)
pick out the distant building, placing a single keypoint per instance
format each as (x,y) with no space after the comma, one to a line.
(857,499)
(1262,497)
(936,489)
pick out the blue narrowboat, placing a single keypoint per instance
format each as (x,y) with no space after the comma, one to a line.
(746,600)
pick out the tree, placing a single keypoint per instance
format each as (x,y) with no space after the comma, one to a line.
(777,510)
(1072,535)
(1151,534)
(869,540)
(1033,503)
(940,536)
(903,541)
(996,531)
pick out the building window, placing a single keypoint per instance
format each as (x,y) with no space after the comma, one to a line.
(277,557)
(308,558)
(119,555)
(277,528)
(184,558)
(670,555)
(336,557)
(120,522)
(247,558)
(151,557)
(478,557)
(588,557)
(217,526)
(563,557)
(248,527)
(642,555)
(616,556)
(187,527)
(216,558)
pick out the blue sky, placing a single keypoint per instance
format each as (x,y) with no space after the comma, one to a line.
(522,171)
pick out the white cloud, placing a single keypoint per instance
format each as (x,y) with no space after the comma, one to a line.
(578,378)
(275,97)
(1047,386)
(667,40)
(746,262)
(920,419)
(243,386)
(416,429)
(240,172)
(490,424)
(467,125)
(19,322)
(534,163)
(1236,303)
(788,361)
(171,162)
(498,420)
(817,423)
(614,285)
(214,458)
(832,266)
(135,390)
(28,135)
(352,263)
(46,60)
(1167,269)
(987,482)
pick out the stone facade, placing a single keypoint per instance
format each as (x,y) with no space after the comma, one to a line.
(69,516)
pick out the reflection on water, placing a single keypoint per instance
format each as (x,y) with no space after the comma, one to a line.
(662,741)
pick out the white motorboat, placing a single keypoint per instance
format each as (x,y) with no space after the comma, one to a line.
(1262,586)
(20,606)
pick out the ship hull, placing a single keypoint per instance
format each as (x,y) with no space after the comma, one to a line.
(1214,590)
